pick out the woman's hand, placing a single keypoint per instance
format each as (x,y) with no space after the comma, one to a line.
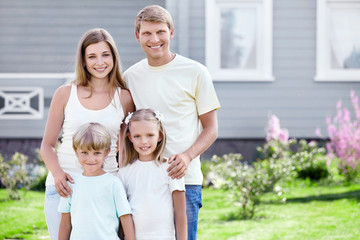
(61,185)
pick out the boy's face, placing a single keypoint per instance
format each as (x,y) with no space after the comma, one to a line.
(154,39)
(92,161)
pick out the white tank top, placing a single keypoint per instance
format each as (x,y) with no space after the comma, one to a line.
(76,115)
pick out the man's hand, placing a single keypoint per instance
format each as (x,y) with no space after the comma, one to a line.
(179,164)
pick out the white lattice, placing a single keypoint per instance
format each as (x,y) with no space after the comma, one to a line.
(16,102)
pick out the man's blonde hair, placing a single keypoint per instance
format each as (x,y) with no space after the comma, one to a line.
(153,13)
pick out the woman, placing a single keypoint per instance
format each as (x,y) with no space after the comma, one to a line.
(98,94)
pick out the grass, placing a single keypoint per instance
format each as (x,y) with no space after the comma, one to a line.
(22,219)
(310,213)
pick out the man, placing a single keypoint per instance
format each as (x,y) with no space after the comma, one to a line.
(182,90)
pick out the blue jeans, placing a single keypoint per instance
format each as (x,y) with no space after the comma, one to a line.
(193,205)
(52,216)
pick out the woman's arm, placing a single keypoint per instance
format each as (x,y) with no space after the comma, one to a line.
(65,226)
(50,139)
(128,226)
(179,202)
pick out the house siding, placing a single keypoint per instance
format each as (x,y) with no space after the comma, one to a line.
(301,103)
(41,37)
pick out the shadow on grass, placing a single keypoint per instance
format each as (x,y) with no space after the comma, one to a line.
(327,197)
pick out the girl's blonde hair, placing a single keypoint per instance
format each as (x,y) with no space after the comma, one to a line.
(129,151)
(83,77)
(153,13)
(91,136)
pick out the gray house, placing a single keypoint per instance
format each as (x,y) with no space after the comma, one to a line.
(291,58)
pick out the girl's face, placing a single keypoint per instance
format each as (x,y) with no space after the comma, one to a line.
(99,60)
(92,161)
(145,137)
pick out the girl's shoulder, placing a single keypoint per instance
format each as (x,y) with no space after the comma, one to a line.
(164,163)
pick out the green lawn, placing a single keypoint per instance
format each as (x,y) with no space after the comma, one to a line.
(310,213)
(22,219)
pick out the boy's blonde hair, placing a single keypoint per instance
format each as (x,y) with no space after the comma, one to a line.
(91,136)
(153,13)
(130,153)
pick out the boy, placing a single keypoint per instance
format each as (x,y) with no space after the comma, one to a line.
(99,198)
(183,91)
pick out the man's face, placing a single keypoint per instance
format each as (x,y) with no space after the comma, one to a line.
(154,39)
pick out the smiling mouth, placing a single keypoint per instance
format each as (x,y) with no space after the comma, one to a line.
(100,69)
(144,148)
(155,47)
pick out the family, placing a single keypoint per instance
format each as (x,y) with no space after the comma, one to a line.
(128,165)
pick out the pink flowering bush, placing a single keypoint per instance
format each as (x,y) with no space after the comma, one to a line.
(277,144)
(275,132)
(344,135)
(285,157)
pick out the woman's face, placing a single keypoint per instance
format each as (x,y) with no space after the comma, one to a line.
(99,60)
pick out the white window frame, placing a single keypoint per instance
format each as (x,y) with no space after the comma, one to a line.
(324,72)
(263,70)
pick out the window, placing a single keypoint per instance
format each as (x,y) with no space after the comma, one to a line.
(338,40)
(239,40)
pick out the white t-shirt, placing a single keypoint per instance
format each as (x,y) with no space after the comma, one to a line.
(149,190)
(76,115)
(95,207)
(181,90)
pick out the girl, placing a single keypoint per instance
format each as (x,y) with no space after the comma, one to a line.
(98,94)
(88,214)
(154,197)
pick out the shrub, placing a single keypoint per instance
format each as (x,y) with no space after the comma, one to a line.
(37,172)
(246,184)
(310,161)
(13,175)
(344,134)
(206,171)
(300,159)
(241,181)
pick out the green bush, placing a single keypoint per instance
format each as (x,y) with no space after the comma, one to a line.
(206,171)
(246,184)
(38,173)
(276,158)
(13,175)
(281,161)
(310,161)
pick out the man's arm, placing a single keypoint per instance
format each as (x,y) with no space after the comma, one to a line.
(179,162)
